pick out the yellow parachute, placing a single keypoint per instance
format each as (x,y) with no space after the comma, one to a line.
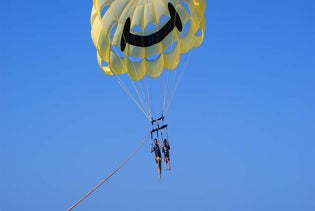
(144,37)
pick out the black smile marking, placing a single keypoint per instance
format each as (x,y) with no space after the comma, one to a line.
(149,40)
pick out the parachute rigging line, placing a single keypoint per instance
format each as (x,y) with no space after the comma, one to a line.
(141,103)
(127,91)
(110,175)
(183,67)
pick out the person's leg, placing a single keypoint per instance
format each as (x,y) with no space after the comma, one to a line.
(159,166)
(168,163)
(165,160)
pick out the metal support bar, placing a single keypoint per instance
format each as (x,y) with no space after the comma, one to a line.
(157,120)
(158,129)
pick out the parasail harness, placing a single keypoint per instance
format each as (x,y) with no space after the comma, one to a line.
(156,128)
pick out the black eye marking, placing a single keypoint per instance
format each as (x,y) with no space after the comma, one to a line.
(149,40)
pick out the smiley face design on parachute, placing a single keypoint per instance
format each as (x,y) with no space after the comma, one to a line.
(122,49)
(149,40)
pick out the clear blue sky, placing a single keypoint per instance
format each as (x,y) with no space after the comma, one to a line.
(242,123)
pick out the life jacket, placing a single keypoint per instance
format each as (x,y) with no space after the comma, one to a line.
(166,148)
(157,150)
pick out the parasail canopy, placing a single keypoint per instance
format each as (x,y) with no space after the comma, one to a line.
(141,38)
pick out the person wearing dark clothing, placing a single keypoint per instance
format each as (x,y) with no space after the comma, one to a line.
(166,151)
(157,151)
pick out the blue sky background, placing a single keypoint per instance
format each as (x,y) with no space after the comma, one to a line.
(242,123)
